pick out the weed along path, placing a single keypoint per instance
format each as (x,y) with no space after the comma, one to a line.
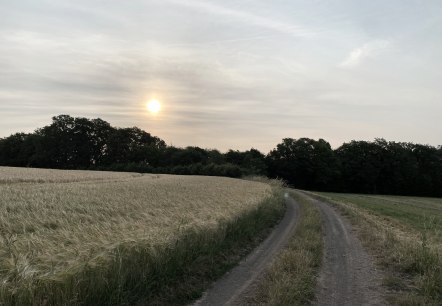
(230,289)
(348,275)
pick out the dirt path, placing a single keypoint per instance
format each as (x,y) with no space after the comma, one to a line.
(348,275)
(230,288)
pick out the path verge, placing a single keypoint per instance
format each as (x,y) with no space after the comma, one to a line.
(230,288)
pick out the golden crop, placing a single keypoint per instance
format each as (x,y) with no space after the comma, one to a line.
(52,221)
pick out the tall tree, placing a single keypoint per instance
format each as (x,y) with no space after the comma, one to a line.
(361,165)
(304,163)
(16,150)
(133,145)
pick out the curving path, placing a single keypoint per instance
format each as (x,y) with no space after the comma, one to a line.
(348,275)
(230,288)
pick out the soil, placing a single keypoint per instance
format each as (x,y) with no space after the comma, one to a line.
(348,275)
(230,289)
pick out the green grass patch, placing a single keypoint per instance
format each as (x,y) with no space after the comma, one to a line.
(422,214)
(291,279)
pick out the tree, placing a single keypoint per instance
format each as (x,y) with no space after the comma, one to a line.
(190,155)
(361,163)
(397,167)
(72,142)
(133,145)
(304,163)
(16,150)
(252,161)
(429,170)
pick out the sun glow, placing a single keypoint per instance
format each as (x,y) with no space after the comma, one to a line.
(153,106)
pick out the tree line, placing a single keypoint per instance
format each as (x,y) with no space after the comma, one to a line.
(378,167)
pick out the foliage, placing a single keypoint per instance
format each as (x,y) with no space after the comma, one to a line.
(305,163)
(359,167)
(390,168)
(380,166)
(80,143)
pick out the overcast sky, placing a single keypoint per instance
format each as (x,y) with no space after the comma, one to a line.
(229,74)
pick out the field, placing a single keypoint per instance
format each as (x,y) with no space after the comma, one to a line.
(12,175)
(107,238)
(81,237)
(405,235)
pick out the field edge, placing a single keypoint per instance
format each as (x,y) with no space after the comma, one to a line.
(141,274)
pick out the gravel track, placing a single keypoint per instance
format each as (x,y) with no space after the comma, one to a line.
(348,275)
(230,289)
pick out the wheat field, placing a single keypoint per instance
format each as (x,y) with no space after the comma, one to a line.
(54,223)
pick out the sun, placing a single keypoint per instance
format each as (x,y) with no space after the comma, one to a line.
(153,106)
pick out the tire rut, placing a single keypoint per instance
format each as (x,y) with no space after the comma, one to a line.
(348,275)
(229,290)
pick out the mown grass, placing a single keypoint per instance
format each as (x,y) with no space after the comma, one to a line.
(291,279)
(140,240)
(421,214)
(404,233)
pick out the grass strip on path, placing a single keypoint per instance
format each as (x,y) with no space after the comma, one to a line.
(291,279)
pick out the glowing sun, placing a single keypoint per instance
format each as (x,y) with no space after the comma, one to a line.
(153,106)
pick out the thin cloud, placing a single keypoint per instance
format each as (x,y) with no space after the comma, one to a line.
(358,55)
(246,17)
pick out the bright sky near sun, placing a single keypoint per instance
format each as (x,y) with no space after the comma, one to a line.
(228,74)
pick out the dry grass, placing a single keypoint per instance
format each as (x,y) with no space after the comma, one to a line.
(56,225)
(13,175)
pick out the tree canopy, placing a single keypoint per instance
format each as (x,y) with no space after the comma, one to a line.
(380,166)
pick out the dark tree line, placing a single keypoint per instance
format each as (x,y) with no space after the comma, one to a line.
(377,167)
(80,143)
(358,166)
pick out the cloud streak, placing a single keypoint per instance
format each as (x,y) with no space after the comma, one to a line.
(246,17)
(368,50)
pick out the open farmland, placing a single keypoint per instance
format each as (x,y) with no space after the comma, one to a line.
(78,237)
(405,234)
(14,175)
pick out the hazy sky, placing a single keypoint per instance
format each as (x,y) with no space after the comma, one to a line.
(229,74)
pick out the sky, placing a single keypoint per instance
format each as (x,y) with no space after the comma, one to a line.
(229,74)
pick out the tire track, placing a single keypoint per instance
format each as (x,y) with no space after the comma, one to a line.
(348,275)
(230,288)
